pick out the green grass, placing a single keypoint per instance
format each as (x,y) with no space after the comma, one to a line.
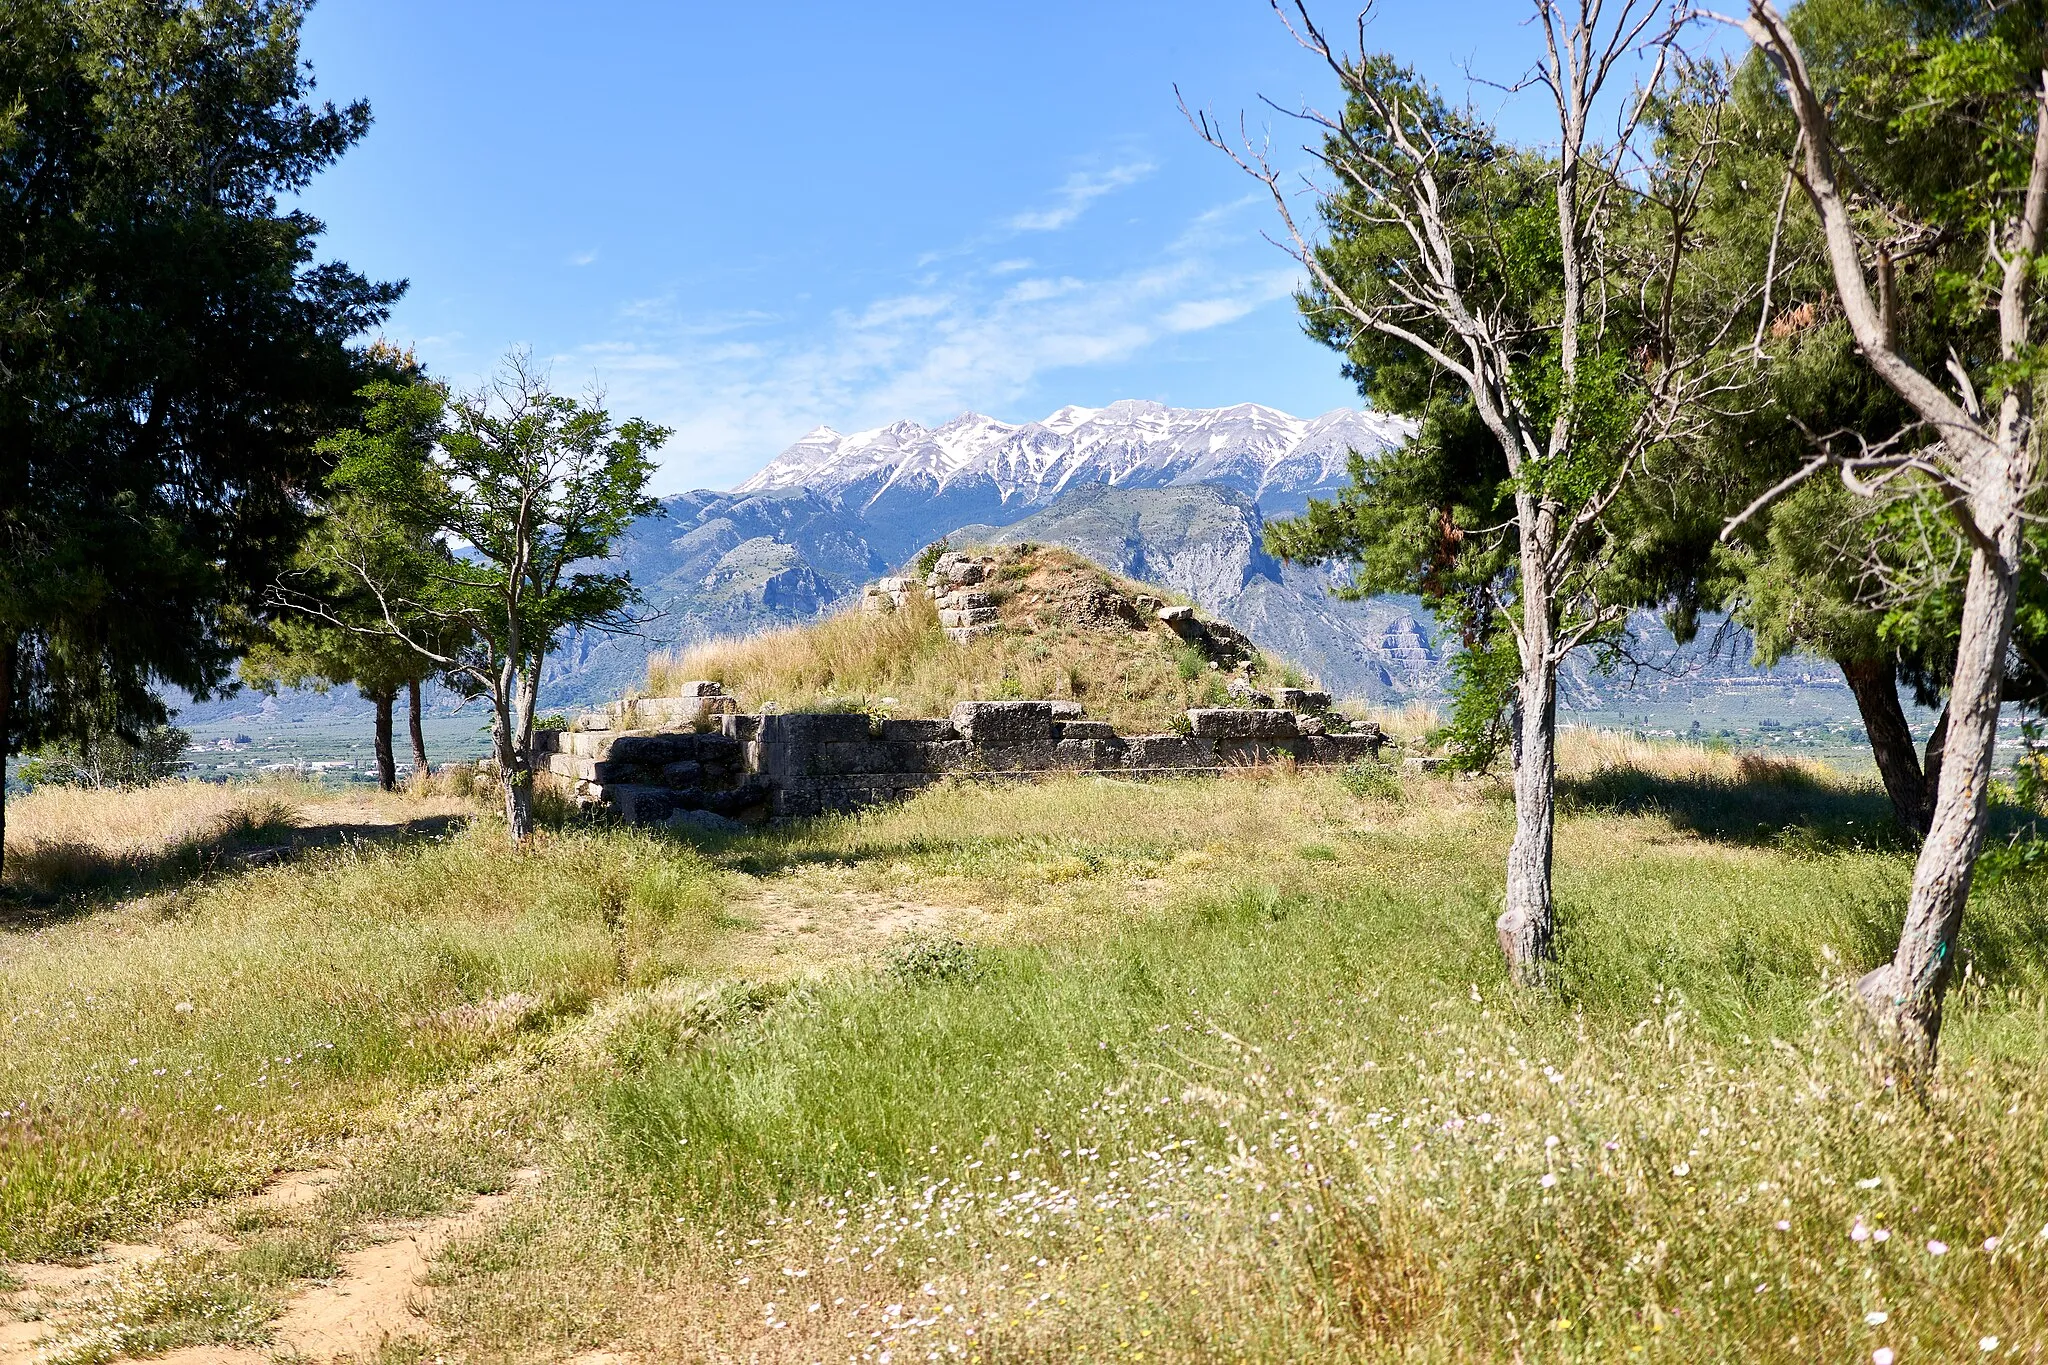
(1307,1116)
(176,1049)
(1195,1070)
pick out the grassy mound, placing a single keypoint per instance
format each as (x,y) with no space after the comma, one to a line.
(1070,630)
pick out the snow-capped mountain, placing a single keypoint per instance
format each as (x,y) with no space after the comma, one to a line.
(977,469)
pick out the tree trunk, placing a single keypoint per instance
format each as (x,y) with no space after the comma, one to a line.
(419,736)
(387,768)
(1905,995)
(9,644)
(1875,683)
(1525,926)
(512,771)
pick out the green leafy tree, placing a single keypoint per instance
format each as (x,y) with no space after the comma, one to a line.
(170,352)
(529,490)
(101,757)
(1965,88)
(1525,305)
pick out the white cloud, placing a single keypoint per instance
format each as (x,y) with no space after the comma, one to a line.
(738,387)
(1082,189)
(583,258)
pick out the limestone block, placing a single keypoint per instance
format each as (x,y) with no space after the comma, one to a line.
(1224,722)
(1003,722)
(701,688)
(860,756)
(640,805)
(593,720)
(1066,710)
(1341,748)
(892,585)
(682,773)
(943,755)
(1021,755)
(966,616)
(1244,694)
(960,635)
(738,727)
(547,742)
(653,747)
(1253,753)
(1175,615)
(1087,753)
(1423,763)
(1083,729)
(1302,700)
(917,731)
(814,727)
(1169,751)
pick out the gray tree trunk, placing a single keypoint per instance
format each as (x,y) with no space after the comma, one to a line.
(419,735)
(1905,995)
(1525,926)
(512,771)
(10,644)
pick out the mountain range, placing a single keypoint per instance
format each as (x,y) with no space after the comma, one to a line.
(1173,496)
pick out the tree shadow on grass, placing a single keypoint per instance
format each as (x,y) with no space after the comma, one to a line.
(53,880)
(1769,804)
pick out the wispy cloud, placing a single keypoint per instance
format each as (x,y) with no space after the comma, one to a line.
(1082,189)
(583,258)
(738,387)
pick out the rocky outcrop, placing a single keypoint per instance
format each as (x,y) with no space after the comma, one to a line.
(696,759)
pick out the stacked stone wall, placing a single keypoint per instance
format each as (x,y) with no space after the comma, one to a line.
(706,761)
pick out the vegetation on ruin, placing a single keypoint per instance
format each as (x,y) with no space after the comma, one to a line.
(1071,631)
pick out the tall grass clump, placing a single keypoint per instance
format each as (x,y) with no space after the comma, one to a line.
(175,1049)
(62,838)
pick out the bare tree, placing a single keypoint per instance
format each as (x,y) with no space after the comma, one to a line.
(1983,464)
(1579,391)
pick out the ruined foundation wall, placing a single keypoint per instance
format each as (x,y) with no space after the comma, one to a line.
(697,758)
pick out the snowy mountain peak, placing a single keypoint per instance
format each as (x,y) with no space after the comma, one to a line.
(1133,442)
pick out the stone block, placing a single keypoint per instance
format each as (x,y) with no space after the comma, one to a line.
(1083,729)
(1354,747)
(682,773)
(1302,700)
(1224,722)
(737,727)
(701,688)
(649,747)
(860,756)
(938,756)
(1169,751)
(917,731)
(960,635)
(1244,694)
(1023,755)
(1253,753)
(814,727)
(593,720)
(640,805)
(1087,753)
(548,742)
(706,821)
(1065,710)
(1003,722)
(1174,616)
(1423,763)
(892,585)
(966,616)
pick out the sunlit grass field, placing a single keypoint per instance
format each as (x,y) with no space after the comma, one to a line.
(1221,1069)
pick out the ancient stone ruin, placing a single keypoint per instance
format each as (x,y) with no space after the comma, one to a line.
(695,759)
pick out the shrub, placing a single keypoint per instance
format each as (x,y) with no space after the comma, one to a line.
(108,759)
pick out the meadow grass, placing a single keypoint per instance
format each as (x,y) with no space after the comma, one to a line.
(181,1046)
(1197,1070)
(1232,1071)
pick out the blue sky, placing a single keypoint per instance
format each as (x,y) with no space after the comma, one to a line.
(746,220)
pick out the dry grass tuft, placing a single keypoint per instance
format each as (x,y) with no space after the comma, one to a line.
(1070,632)
(1582,751)
(59,837)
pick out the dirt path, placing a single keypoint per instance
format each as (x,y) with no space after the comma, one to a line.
(378,1295)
